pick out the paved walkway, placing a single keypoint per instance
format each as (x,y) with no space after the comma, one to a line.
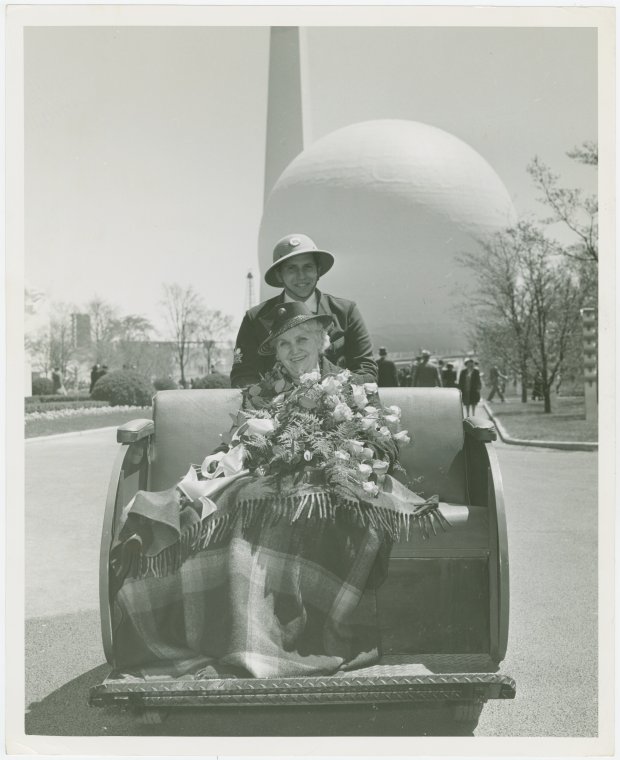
(552,518)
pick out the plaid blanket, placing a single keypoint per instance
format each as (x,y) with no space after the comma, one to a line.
(266,586)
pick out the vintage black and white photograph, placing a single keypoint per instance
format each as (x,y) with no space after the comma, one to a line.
(310,369)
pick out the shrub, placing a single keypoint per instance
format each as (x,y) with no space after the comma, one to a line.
(123,388)
(42,386)
(164,384)
(214,380)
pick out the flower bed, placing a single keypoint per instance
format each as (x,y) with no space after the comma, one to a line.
(57,397)
(101,410)
(53,406)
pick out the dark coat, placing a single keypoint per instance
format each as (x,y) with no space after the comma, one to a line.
(448,378)
(426,376)
(387,376)
(350,347)
(473,397)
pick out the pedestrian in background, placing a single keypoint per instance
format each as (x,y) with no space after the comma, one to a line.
(58,385)
(404,377)
(94,376)
(470,386)
(496,379)
(425,374)
(448,376)
(387,377)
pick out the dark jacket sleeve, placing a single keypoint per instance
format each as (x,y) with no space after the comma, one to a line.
(245,368)
(358,347)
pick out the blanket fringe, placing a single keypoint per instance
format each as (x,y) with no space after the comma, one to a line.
(313,507)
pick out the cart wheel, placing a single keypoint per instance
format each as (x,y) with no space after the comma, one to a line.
(152,717)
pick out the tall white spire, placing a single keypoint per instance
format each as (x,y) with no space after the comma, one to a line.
(285,113)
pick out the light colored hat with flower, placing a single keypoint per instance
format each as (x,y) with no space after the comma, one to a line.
(288,315)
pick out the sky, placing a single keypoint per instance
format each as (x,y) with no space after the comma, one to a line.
(144,147)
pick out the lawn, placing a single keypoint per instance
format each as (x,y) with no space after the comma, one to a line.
(36,428)
(528,421)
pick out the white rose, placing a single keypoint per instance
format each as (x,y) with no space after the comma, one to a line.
(380,467)
(258,426)
(365,470)
(356,447)
(359,395)
(371,387)
(392,421)
(310,377)
(344,375)
(367,453)
(384,431)
(307,455)
(342,455)
(342,413)
(371,411)
(395,410)
(370,488)
(368,422)
(330,385)
(402,437)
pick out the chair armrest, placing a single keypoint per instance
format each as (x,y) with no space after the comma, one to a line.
(134,431)
(480,429)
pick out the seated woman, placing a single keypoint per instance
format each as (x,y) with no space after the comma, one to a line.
(264,560)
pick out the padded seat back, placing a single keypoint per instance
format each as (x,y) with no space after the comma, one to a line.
(188,424)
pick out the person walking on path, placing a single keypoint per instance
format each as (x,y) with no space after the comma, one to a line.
(297,266)
(497,379)
(57,383)
(448,376)
(425,374)
(387,376)
(470,386)
(94,376)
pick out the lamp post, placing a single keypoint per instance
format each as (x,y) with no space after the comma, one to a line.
(590,373)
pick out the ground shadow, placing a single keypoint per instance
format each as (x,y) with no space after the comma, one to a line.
(65,712)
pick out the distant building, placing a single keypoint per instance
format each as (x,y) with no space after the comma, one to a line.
(80,331)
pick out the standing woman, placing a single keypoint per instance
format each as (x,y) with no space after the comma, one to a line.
(470,387)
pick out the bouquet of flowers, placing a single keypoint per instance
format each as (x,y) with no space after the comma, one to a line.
(333,426)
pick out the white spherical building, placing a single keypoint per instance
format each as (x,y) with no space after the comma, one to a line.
(396,202)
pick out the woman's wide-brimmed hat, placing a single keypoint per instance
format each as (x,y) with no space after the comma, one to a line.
(469,360)
(295,245)
(286,316)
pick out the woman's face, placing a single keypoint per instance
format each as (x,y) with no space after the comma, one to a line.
(298,350)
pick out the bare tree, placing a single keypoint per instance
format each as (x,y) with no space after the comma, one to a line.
(500,309)
(556,298)
(133,327)
(214,327)
(577,211)
(586,153)
(104,325)
(61,348)
(184,310)
(132,346)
